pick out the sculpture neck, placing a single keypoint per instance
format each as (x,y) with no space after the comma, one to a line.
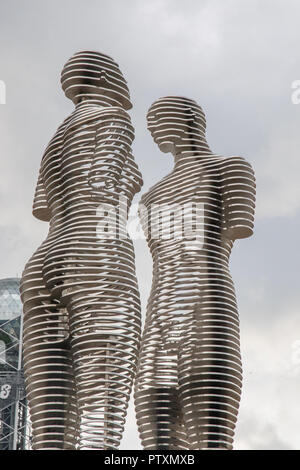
(99,100)
(191,149)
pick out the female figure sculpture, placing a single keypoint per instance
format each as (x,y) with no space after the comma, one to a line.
(79,289)
(189,375)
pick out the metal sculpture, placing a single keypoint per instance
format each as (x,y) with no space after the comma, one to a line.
(79,289)
(189,377)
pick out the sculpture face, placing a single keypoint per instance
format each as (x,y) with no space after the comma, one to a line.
(173,121)
(164,127)
(91,74)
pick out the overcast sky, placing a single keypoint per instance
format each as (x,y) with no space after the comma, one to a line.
(238,60)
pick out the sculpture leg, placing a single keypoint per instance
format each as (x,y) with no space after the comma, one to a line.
(48,372)
(210,377)
(158,409)
(105,346)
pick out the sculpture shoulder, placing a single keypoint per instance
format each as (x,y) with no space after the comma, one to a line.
(117,116)
(96,112)
(95,115)
(59,132)
(114,111)
(156,193)
(236,163)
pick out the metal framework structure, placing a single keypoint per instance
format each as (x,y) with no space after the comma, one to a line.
(14,423)
(189,377)
(79,289)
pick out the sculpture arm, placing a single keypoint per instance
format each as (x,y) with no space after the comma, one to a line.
(113,139)
(40,208)
(238,198)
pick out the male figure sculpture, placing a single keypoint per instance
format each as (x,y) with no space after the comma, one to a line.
(79,289)
(189,375)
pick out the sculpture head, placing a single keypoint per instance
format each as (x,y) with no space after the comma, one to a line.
(90,75)
(176,122)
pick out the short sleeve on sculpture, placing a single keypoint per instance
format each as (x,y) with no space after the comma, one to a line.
(238,198)
(40,207)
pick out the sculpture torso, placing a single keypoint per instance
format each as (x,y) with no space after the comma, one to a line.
(190,270)
(74,239)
